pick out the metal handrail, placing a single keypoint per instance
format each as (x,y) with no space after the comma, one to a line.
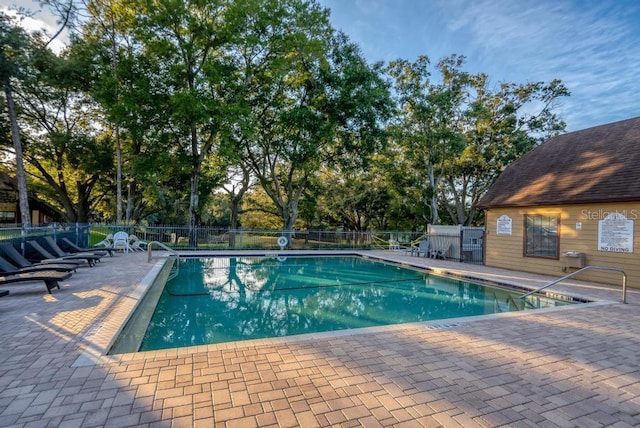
(161,245)
(624,280)
(175,269)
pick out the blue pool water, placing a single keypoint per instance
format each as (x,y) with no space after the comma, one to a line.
(215,300)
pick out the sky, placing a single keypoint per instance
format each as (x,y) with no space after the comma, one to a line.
(39,20)
(593,47)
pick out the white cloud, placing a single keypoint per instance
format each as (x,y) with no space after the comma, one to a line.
(593,47)
(33,24)
(594,50)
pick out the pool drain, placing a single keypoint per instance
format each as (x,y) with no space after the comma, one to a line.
(443,326)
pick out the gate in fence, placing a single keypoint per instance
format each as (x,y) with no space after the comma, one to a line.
(462,243)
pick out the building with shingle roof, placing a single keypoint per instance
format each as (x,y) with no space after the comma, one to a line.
(41,211)
(570,202)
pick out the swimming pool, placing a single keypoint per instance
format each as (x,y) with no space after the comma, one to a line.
(216,300)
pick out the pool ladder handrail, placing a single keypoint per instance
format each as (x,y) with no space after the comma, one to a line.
(175,268)
(624,280)
(513,302)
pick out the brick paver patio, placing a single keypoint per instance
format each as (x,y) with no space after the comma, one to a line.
(577,367)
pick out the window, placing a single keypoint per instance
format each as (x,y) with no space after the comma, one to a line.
(7,217)
(541,236)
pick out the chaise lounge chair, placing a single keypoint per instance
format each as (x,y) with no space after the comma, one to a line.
(440,253)
(8,269)
(61,253)
(50,278)
(48,257)
(77,249)
(11,252)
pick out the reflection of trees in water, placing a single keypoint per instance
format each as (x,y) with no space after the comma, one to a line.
(246,298)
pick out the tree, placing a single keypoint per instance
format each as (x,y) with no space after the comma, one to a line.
(152,167)
(16,48)
(63,145)
(459,133)
(427,128)
(21,54)
(358,201)
(108,14)
(309,98)
(499,126)
(239,182)
(180,53)
(259,213)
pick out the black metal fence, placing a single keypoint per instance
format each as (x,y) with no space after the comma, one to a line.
(465,245)
(19,237)
(212,238)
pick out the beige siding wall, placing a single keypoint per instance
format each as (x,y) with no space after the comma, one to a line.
(507,251)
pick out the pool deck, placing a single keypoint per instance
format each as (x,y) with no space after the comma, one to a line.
(575,367)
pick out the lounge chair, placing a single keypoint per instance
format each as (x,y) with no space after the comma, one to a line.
(440,253)
(11,252)
(61,253)
(50,278)
(48,257)
(77,249)
(8,268)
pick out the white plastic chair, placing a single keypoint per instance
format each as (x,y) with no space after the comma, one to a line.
(136,244)
(422,248)
(393,245)
(121,242)
(106,242)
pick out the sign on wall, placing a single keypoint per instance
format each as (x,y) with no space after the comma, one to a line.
(615,233)
(505,225)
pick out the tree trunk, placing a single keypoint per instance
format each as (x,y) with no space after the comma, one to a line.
(83,203)
(131,202)
(434,182)
(114,65)
(25,213)
(236,201)
(194,202)
(290,215)
(118,177)
(235,210)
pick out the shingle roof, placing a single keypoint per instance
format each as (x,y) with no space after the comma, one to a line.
(600,164)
